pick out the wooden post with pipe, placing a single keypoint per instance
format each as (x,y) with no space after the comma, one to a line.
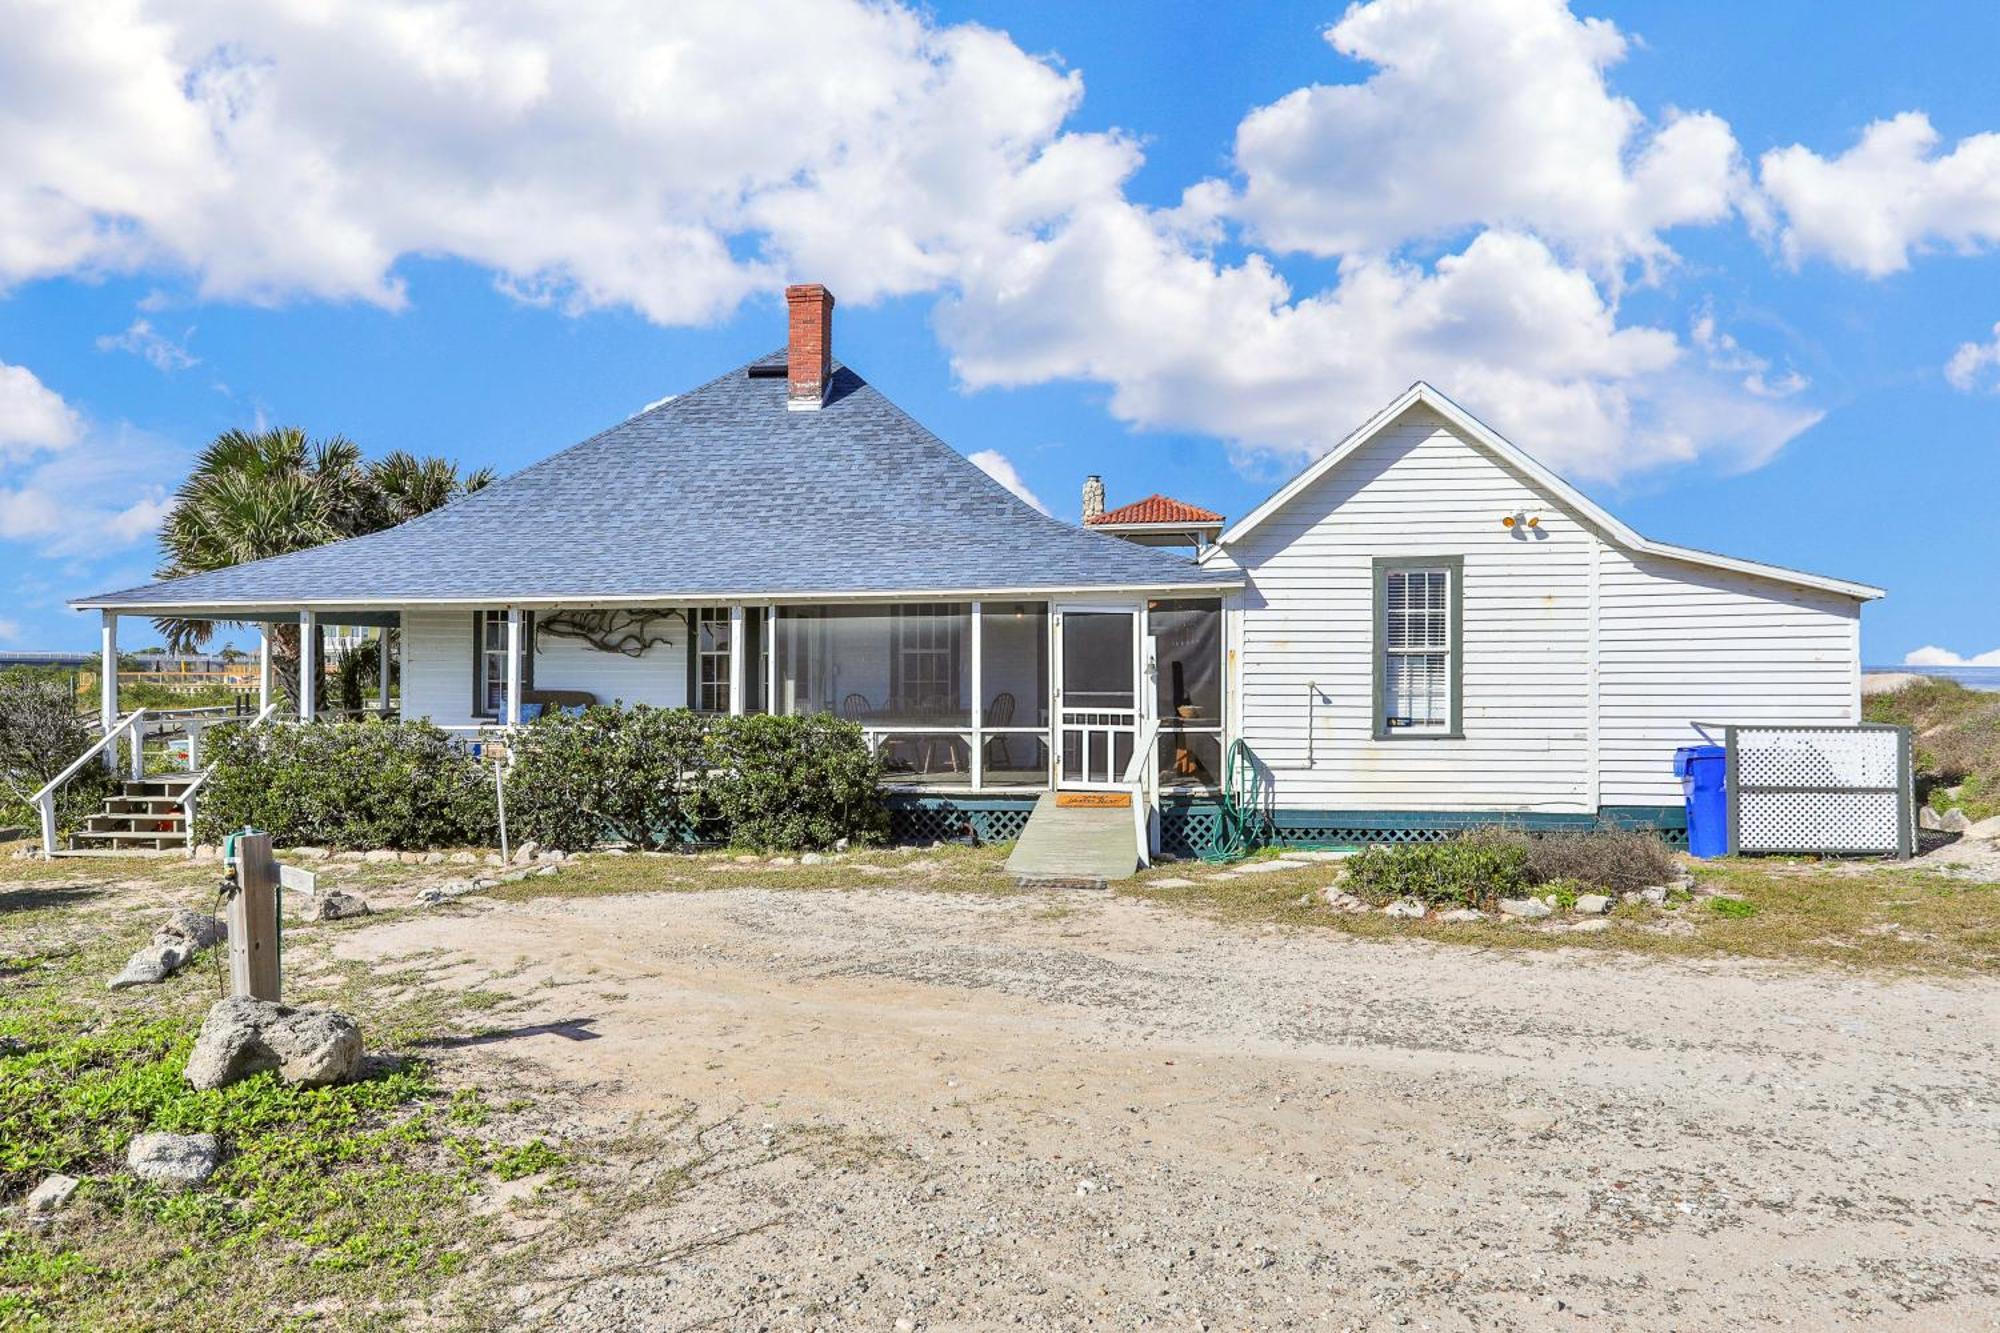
(253,920)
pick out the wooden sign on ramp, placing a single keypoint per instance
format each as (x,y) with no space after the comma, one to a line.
(1094,800)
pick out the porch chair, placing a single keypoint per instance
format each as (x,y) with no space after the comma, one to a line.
(1000,713)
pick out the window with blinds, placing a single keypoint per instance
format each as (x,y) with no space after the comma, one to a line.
(1416,645)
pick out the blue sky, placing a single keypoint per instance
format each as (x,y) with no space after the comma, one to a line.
(1732,269)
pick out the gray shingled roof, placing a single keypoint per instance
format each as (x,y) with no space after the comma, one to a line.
(719,492)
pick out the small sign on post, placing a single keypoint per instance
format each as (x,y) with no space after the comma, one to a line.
(253,920)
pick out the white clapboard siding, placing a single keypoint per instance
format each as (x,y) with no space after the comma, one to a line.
(1306,641)
(437,668)
(1681,644)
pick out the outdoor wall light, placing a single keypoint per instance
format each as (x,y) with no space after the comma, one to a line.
(1520,520)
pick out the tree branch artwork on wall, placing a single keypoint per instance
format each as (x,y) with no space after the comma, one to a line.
(630,632)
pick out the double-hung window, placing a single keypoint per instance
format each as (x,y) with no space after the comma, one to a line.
(708,659)
(1417,647)
(489,660)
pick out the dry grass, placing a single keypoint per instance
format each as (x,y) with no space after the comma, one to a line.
(1955,734)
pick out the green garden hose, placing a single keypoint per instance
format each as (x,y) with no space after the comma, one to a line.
(1241,806)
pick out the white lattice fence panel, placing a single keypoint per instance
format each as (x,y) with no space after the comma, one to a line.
(1776,757)
(1820,789)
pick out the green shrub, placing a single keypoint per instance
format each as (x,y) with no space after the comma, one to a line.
(1735,909)
(656,777)
(41,733)
(1469,871)
(402,785)
(790,783)
(634,774)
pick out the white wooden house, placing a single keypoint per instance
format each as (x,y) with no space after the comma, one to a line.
(1423,629)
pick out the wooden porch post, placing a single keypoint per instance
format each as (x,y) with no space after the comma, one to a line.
(978,699)
(264,669)
(382,655)
(771,649)
(308,665)
(737,675)
(107,684)
(513,717)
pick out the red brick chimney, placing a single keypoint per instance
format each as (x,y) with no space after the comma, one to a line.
(809,359)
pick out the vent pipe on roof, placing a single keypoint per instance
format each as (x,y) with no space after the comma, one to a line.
(809,353)
(1093,497)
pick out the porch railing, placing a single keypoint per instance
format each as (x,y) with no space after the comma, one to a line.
(1142,776)
(192,792)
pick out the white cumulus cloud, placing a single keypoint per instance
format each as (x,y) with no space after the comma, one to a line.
(1485,192)
(1492,114)
(1001,468)
(1975,364)
(1933,656)
(1890,195)
(33,417)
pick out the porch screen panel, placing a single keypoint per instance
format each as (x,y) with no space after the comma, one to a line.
(1014,678)
(1187,654)
(880,666)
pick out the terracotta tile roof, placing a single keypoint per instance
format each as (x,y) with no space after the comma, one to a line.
(1157,509)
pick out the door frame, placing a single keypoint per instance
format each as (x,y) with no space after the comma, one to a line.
(1142,695)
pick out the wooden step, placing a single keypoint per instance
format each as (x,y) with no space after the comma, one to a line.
(83,841)
(116,823)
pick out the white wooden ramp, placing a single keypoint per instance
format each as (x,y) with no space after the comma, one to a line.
(1077,838)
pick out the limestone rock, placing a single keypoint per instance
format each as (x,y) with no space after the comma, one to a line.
(1463,914)
(241,1037)
(463,859)
(1985,830)
(52,1193)
(349,856)
(1593,904)
(525,853)
(1406,908)
(191,929)
(178,1160)
(315,1047)
(1955,821)
(336,905)
(811,859)
(431,859)
(380,856)
(152,964)
(1530,909)
(1656,895)
(1590,926)
(309,853)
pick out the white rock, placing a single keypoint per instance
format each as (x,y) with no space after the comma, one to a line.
(464,858)
(309,854)
(1529,908)
(1168,882)
(525,852)
(1342,901)
(1462,914)
(550,858)
(1593,904)
(1985,830)
(1928,818)
(410,858)
(52,1193)
(1268,867)
(1656,895)
(349,856)
(154,963)
(432,859)
(492,859)
(179,1160)
(1955,821)
(811,859)
(1590,926)
(190,929)
(840,845)
(381,856)
(1408,908)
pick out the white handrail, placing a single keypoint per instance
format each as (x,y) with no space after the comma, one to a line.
(1140,775)
(45,800)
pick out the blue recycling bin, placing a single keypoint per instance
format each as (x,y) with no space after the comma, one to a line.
(1703,771)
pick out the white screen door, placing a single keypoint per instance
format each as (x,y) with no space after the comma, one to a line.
(1097,695)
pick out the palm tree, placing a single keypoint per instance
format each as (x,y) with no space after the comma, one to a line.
(255,494)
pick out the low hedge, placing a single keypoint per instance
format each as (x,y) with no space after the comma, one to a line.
(651,777)
(658,777)
(347,784)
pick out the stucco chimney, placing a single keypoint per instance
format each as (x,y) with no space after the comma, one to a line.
(1093,497)
(809,355)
